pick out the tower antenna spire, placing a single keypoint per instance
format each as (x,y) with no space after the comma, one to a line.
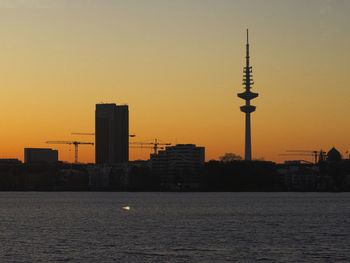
(247,37)
(247,95)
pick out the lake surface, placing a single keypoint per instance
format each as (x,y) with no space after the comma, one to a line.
(174,227)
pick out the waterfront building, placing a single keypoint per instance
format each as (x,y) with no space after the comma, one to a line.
(179,165)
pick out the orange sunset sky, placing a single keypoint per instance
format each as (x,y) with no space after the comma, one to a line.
(178,65)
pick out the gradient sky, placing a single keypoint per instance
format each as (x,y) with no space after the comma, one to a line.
(178,65)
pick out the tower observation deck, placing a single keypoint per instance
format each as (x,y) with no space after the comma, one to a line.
(247,95)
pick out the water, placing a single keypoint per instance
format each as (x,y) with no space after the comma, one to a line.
(174,227)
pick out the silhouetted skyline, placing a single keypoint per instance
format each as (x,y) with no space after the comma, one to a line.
(179,64)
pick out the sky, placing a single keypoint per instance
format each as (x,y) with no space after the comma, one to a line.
(178,65)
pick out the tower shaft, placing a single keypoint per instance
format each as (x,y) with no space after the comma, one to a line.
(248,143)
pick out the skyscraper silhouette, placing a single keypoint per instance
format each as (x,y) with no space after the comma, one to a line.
(111,134)
(247,95)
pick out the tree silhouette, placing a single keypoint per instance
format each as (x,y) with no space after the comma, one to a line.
(230,157)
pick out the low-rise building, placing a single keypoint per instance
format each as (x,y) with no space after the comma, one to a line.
(9,161)
(179,166)
(299,177)
(40,155)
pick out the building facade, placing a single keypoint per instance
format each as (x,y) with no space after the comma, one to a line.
(111,134)
(179,166)
(40,155)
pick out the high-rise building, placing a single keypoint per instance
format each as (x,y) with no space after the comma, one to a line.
(247,95)
(111,134)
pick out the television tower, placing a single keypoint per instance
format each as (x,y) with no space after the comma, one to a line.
(247,95)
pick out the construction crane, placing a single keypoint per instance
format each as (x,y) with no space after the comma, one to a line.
(93,134)
(146,147)
(83,133)
(318,155)
(75,143)
(155,144)
(296,154)
(299,160)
